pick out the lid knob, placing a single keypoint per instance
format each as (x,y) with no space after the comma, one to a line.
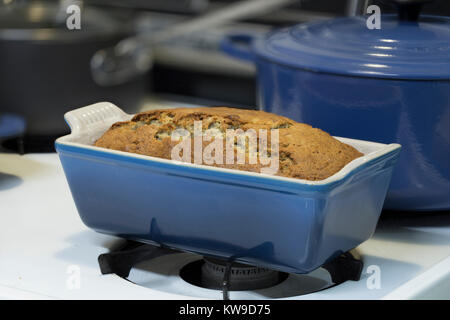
(409,10)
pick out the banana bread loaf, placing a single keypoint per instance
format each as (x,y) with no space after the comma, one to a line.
(302,151)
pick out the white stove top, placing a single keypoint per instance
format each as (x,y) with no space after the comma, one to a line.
(47,252)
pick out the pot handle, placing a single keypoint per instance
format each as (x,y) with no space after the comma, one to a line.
(239,46)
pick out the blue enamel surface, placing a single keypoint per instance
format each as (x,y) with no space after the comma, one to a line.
(11,125)
(415,114)
(254,219)
(400,49)
(388,85)
(238,46)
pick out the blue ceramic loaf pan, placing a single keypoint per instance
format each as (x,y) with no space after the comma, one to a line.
(281,223)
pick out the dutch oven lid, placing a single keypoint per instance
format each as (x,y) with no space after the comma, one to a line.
(406,47)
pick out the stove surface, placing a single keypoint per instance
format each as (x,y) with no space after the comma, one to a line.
(46,252)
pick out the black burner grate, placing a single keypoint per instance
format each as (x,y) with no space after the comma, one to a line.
(220,274)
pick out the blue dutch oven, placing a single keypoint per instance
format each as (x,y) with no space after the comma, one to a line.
(385,85)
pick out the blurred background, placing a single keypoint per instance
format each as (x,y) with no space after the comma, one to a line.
(47,68)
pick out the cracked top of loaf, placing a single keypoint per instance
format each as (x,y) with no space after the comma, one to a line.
(304,152)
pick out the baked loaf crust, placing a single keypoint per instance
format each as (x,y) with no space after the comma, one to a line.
(304,152)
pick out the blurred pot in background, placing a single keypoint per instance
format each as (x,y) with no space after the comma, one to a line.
(46,67)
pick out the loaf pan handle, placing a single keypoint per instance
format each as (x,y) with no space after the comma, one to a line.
(88,119)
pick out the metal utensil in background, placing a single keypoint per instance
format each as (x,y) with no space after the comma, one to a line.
(132,57)
(356,7)
(172,6)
